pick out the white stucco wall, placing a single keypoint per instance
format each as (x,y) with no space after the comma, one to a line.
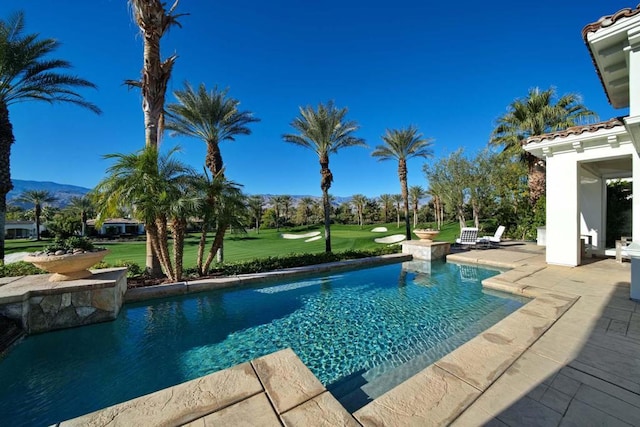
(562,211)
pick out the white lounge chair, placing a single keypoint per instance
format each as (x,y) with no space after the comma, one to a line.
(468,237)
(496,238)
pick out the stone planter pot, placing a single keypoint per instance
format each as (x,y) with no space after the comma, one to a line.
(68,266)
(426,235)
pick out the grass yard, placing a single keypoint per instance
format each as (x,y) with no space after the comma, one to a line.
(242,247)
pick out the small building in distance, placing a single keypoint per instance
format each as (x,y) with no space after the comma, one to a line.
(116,227)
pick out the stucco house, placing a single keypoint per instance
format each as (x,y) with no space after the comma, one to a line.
(581,159)
(21,229)
(116,226)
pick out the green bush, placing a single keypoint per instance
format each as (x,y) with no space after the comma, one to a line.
(19,268)
(73,242)
(261,265)
(133,269)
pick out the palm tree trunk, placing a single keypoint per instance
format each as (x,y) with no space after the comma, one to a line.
(215,246)
(38,211)
(6,139)
(398,216)
(163,245)
(537,178)
(402,173)
(415,215)
(201,245)
(325,184)
(179,226)
(152,262)
(327,221)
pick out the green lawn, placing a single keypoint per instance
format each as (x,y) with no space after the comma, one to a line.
(253,245)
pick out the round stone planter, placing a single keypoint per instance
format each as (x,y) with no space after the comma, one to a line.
(68,266)
(426,235)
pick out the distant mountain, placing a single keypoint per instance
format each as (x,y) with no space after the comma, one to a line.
(62,192)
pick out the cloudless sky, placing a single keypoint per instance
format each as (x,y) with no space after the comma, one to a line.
(450,68)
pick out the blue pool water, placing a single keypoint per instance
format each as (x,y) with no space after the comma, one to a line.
(352,329)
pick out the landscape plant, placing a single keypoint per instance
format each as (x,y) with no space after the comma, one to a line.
(37,198)
(401,145)
(28,73)
(324,130)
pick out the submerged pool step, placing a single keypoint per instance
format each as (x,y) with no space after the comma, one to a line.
(359,389)
(10,332)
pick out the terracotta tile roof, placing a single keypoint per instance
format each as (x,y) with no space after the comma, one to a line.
(606,21)
(577,130)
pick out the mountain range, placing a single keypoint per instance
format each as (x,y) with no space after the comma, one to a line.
(64,192)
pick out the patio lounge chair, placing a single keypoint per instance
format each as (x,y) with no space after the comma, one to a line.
(468,237)
(495,239)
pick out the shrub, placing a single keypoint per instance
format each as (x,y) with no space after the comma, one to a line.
(19,268)
(133,269)
(73,242)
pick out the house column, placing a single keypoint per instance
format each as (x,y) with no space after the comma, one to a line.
(563,214)
(634,70)
(635,201)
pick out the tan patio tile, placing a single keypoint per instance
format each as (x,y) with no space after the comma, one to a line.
(433,397)
(622,303)
(528,412)
(611,361)
(521,328)
(500,285)
(618,327)
(558,347)
(580,414)
(609,404)
(322,410)
(602,385)
(556,400)
(287,381)
(605,375)
(482,360)
(549,306)
(179,404)
(616,314)
(565,384)
(475,416)
(254,411)
(536,369)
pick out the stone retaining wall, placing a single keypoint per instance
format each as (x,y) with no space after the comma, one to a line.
(40,306)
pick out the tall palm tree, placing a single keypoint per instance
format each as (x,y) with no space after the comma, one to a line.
(154,20)
(324,130)
(540,112)
(27,74)
(401,145)
(386,200)
(82,206)
(277,202)
(37,198)
(287,200)
(305,209)
(359,201)
(416,193)
(397,199)
(256,204)
(212,117)
(151,184)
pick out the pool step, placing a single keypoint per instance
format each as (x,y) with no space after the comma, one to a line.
(357,390)
(10,332)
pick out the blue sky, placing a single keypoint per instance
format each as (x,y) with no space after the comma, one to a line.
(449,68)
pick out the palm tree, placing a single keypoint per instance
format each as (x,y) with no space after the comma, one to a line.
(286,206)
(154,21)
(415,194)
(277,202)
(256,203)
(402,145)
(83,207)
(305,206)
(359,201)
(324,131)
(26,74)
(151,184)
(211,116)
(397,199)
(538,113)
(387,203)
(37,198)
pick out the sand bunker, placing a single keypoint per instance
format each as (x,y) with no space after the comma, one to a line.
(380,230)
(396,238)
(313,238)
(300,236)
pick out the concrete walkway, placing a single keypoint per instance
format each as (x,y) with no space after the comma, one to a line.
(585,369)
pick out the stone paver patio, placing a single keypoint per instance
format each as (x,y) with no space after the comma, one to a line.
(570,357)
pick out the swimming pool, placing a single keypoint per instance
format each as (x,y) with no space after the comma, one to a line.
(358,331)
